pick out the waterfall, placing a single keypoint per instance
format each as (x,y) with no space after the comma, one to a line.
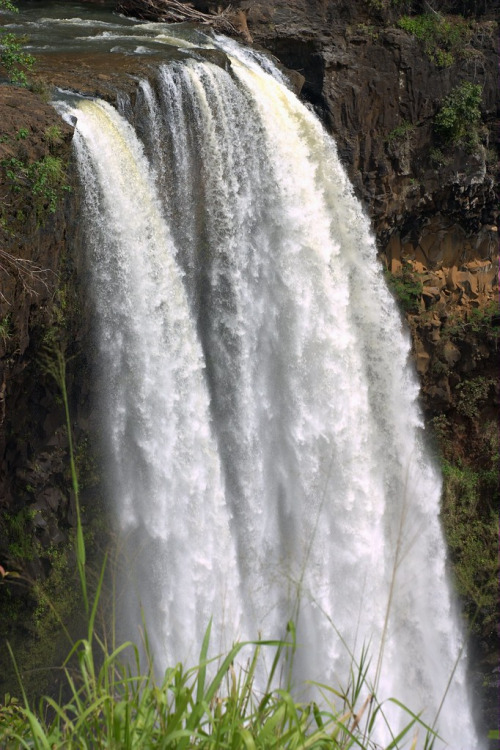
(265,446)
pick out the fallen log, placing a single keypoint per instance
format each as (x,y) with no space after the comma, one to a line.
(225,20)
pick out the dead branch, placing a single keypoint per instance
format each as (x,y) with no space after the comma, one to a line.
(28,273)
(175,11)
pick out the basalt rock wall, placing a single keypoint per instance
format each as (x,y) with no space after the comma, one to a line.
(35,189)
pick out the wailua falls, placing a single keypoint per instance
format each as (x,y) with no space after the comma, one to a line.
(266,460)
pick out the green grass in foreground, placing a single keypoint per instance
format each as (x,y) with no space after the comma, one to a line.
(111,707)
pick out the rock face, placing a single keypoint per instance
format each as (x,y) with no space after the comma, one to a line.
(36,286)
(35,146)
(434,213)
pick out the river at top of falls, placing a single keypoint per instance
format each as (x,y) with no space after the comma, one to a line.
(260,419)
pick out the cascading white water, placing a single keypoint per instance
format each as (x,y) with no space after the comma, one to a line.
(265,444)
(164,458)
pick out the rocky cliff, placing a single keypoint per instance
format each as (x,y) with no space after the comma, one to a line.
(379,84)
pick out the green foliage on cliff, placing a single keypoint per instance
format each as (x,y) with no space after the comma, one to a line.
(443,38)
(472,534)
(401,132)
(472,394)
(407,289)
(44,180)
(15,61)
(32,190)
(469,443)
(459,118)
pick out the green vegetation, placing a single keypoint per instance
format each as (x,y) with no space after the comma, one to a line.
(45,595)
(114,706)
(21,542)
(47,605)
(16,62)
(105,703)
(47,176)
(53,135)
(481,318)
(372,32)
(33,608)
(54,364)
(14,59)
(376,5)
(467,436)
(406,288)
(472,533)
(35,189)
(44,180)
(401,132)
(468,439)
(459,118)
(439,159)
(443,38)
(478,321)
(472,394)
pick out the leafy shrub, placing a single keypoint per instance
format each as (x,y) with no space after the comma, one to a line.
(47,175)
(406,288)
(400,132)
(459,117)
(44,178)
(13,58)
(481,318)
(16,62)
(438,158)
(473,393)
